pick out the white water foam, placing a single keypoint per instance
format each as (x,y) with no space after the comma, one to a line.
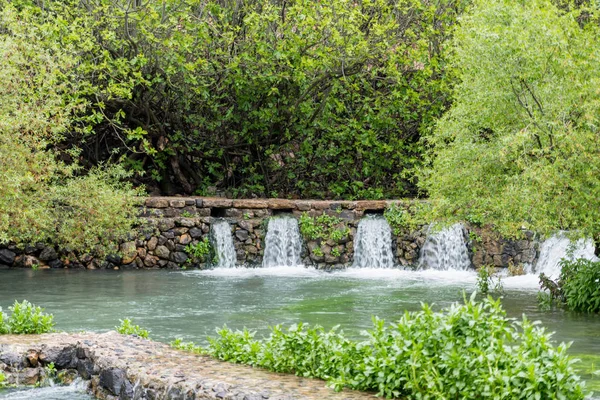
(223,243)
(283,244)
(557,247)
(445,250)
(373,243)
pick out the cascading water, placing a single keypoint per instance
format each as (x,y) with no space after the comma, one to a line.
(223,244)
(283,244)
(373,243)
(558,247)
(445,250)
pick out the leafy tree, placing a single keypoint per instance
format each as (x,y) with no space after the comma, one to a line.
(272,97)
(44,198)
(520,145)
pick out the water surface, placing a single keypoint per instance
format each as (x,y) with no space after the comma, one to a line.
(191,304)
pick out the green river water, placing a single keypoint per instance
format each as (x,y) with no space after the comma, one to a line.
(191,304)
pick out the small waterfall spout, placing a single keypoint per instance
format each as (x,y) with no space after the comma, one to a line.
(373,243)
(223,244)
(283,244)
(445,250)
(557,247)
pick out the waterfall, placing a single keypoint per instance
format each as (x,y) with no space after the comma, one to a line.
(283,244)
(558,247)
(223,244)
(445,250)
(373,243)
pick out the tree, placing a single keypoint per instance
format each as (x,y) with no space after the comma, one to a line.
(266,97)
(520,146)
(43,198)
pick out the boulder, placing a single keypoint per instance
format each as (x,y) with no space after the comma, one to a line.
(152,243)
(48,254)
(162,252)
(179,257)
(7,256)
(242,235)
(128,252)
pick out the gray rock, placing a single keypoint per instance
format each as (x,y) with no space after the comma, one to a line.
(55,264)
(242,235)
(62,357)
(179,257)
(7,256)
(48,254)
(162,252)
(195,233)
(85,368)
(113,380)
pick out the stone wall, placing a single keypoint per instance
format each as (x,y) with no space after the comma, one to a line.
(170,224)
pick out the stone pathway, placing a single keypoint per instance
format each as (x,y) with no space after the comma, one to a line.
(127,367)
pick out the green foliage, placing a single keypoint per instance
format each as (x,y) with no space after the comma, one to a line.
(325,99)
(46,196)
(50,370)
(519,147)
(466,351)
(323,227)
(336,252)
(317,251)
(27,318)
(406,216)
(580,284)
(201,252)
(577,287)
(488,280)
(128,328)
(2,380)
(189,346)
(3,323)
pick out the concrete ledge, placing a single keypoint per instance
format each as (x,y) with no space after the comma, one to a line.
(125,367)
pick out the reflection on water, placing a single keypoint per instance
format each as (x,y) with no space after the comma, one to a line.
(192,304)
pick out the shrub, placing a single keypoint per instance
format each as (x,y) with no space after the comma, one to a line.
(127,328)
(488,279)
(580,284)
(323,227)
(3,323)
(27,318)
(201,252)
(467,351)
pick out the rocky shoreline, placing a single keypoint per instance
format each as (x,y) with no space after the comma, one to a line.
(126,367)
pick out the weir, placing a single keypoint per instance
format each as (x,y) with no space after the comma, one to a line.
(373,243)
(559,246)
(445,250)
(223,243)
(283,244)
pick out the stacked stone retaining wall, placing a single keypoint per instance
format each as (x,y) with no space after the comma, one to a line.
(170,225)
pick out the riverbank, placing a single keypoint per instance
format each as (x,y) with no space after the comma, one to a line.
(127,367)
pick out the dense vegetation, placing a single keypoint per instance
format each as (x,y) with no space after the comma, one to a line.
(520,146)
(267,97)
(577,287)
(466,351)
(43,197)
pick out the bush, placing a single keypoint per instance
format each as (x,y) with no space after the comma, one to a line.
(46,196)
(27,318)
(578,287)
(127,328)
(3,323)
(466,351)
